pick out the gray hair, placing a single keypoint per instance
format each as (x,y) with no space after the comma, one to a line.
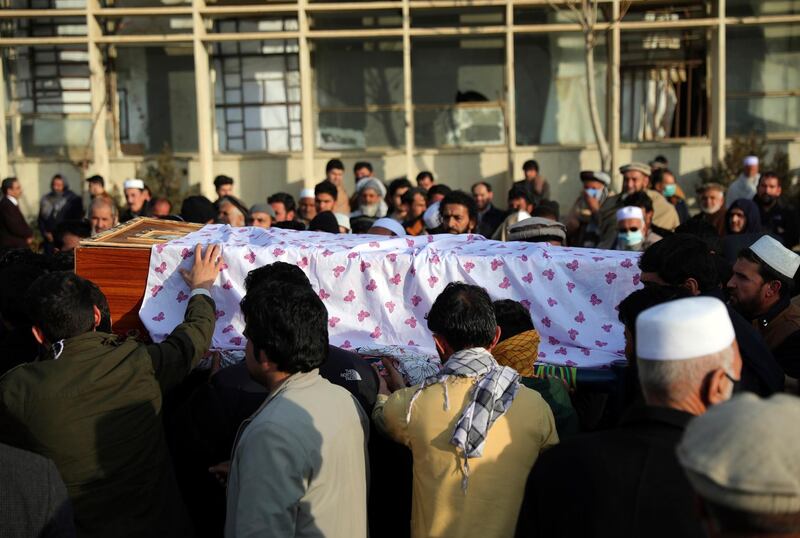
(102,201)
(675,380)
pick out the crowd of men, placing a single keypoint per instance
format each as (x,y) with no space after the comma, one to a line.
(106,436)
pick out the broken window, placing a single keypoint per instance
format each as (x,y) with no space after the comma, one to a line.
(257,89)
(359,94)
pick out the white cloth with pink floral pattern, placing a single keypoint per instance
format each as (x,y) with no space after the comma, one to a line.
(378,290)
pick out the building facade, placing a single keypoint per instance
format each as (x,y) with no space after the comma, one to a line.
(267,92)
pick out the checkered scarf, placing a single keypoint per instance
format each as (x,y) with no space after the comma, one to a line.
(490,398)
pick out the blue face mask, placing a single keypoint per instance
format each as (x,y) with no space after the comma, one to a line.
(669,190)
(594,193)
(629,239)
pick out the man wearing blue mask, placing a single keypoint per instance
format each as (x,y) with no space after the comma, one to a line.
(583,223)
(664,182)
(633,233)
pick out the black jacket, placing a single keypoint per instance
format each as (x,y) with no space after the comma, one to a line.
(780,221)
(490,221)
(14,230)
(619,483)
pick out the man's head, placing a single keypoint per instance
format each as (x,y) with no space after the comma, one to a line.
(663,181)
(712,197)
(687,355)
(397,188)
(437,192)
(741,459)
(750,166)
(97,185)
(69,233)
(512,318)
(307,205)
(530,169)
(324,196)
(101,302)
(370,197)
(198,209)
(387,227)
(482,193)
(102,214)
(462,317)
(519,200)
(135,194)
(232,213)
(57,184)
(658,163)
(362,169)
(279,273)
(538,230)
(261,215)
(60,306)
(223,185)
(459,213)
(595,183)
(334,172)
(162,207)
(631,228)
(287,331)
(635,177)
(680,260)
(425,180)
(283,205)
(768,190)
(414,203)
(762,275)
(11,187)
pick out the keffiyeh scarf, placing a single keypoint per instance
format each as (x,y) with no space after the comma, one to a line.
(490,398)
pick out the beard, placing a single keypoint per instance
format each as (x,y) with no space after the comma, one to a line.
(712,209)
(370,210)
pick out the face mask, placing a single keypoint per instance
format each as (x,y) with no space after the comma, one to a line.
(626,240)
(594,193)
(669,190)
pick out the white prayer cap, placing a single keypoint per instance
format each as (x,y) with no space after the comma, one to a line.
(133,184)
(683,329)
(778,257)
(751,160)
(307,193)
(630,212)
(431,217)
(343,220)
(390,224)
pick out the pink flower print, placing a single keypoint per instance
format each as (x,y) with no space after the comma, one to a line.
(228,329)
(376,333)
(390,306)
(523,257)
(552,302)
(553,341)
(161,268)
(568,362)
(435,259)
(302,263)
(227,285)
(392,257)
(545,255)
(415,300)
(350,297)
(412,271)
(352,255)
(278,252)
(546,322)
(326,253)
(561,351)
(372,286)
(236,340)
(585,351)
(505,284)
(542,355)
(338,270)
(155,290)
(346,344)
(160,247)
(365,266)
(362,315)
(607,328)
(182,297)
(250,257)
(223,267)
(186,253)
(396,279)
(573,265)
(570,286)
(496,264)
(580,318)
(526,303)
(219,313)
(610,277)
(333,321)
(432,280)
(627,264)
(411,322)
(469,266)
(549,274)
(636,279)
(528,278)
(598,258)
(409,242)
(600,343)
(374,244)
(412,343)
(595,300)
(323,294)
(159,317)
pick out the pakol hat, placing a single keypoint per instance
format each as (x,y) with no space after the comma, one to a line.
(635,167)
(683,329)
(630,212)
(263,208)
(776,256)
(742,454)
(535,229)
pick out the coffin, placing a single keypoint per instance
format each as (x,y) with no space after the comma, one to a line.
(118,260)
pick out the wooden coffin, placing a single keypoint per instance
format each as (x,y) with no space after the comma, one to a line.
(118,261)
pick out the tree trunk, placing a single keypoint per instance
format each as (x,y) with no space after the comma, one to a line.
(594,113)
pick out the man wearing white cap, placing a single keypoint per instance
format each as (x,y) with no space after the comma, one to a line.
(633,234)
(137,198)
(635,178)
(584,220)
(761,290)
(745,185)
(306,208)
(388,227)
(627,481)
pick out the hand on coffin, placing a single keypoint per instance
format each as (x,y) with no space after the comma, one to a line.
(206,267)
(392,380)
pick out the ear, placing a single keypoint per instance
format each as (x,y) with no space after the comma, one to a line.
(442,347)
(692,285)
(38,334)
(472,225)
(97,316)
(497,332)
(774,288)
(716,391)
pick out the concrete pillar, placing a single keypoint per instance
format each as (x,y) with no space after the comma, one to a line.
(205,105)
(613,104)
(100,163)
(408,110)
(306,97)
(4,170)
(718,60)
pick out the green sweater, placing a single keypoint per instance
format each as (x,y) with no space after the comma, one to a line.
(555,393)
(95,412)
